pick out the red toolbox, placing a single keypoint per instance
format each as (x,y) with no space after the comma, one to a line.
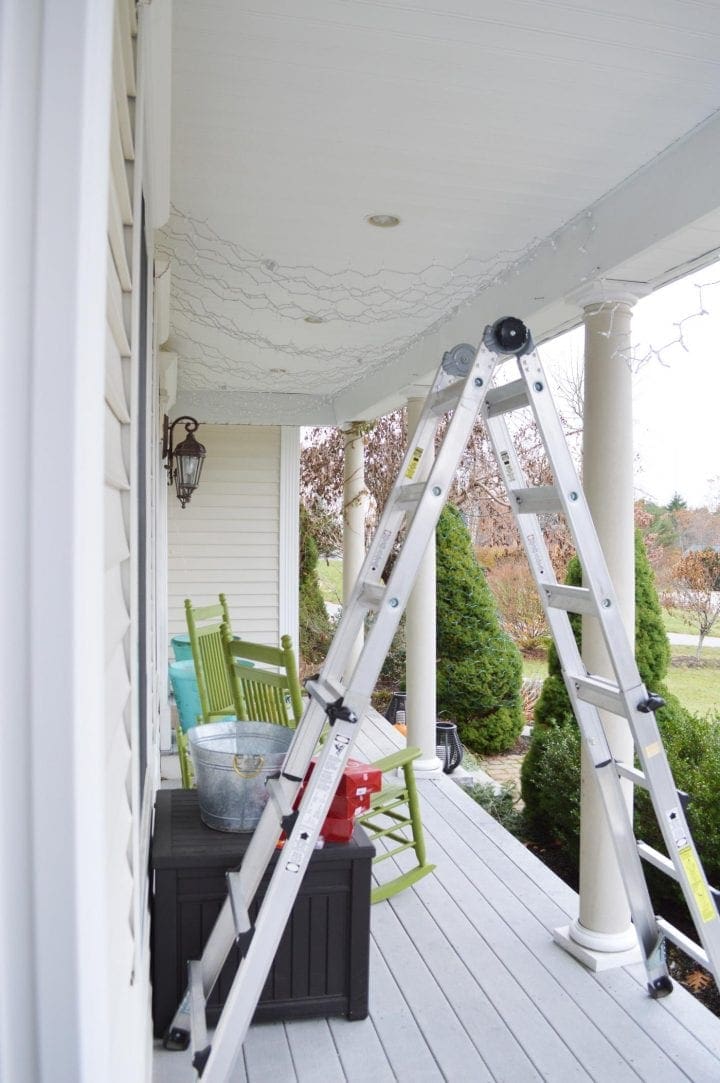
(357,779)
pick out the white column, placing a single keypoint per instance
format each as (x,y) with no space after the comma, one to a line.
(603,936)
(354,508)
(420,664)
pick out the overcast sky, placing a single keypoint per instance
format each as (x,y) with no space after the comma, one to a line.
(676,394)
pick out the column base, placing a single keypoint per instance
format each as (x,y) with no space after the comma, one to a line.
(425,767)
(599,951)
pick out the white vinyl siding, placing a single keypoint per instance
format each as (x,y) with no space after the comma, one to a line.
(228,537)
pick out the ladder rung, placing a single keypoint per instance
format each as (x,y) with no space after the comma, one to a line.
(683,942)
(504,399)
(601,693)
(632,774)
(283,805)
(198,1024)
(660,861)
(408,496)
(446,399)
(325,691)
(372,594)
(238,901)
(572,599)
(536,500)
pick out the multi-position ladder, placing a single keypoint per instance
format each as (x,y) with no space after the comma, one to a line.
(464,388)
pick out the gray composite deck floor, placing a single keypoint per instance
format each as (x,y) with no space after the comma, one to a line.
(467,984)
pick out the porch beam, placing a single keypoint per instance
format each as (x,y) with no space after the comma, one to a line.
(671,193)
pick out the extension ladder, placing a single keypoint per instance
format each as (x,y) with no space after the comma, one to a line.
(464,388)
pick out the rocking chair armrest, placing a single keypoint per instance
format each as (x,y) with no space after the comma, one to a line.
(397,759)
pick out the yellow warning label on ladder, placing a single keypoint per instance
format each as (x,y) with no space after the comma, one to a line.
(697,884)
(414,462)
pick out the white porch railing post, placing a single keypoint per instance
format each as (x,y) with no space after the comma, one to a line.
(420,637)
(603,935)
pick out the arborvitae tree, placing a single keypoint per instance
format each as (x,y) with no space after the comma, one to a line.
(315,630)
(652,647)
(479,669)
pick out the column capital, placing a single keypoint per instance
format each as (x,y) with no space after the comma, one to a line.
(353,429)
(608,292)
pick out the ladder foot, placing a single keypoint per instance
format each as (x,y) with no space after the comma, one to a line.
(200,1060)
(176,1039)
(660,987)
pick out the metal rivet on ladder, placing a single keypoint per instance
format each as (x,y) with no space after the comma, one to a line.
(538,385)
(478,381)
(606,603)
(393,603)
(573,496)
(436,490)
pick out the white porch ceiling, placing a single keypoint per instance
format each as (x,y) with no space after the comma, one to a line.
(527,148)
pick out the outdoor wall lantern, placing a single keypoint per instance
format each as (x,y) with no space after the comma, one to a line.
(184,463)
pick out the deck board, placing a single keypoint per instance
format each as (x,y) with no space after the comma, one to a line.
(467,983)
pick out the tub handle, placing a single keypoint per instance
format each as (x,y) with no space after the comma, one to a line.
(248,771)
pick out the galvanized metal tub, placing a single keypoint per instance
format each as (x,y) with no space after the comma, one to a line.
(233,761)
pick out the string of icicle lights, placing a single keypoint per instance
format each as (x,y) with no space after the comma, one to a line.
(221,288)
(217,283)
(637,356)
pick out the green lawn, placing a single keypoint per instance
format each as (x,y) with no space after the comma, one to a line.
(675,621)
(330,579)
(697,687)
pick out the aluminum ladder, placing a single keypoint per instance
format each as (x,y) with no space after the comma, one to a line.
(463,387)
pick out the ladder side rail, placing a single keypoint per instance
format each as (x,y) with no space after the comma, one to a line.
(649,747)
(260,848)
(591,729)
(277,903)
(676,833)
(357,695)
(580,523)
(422,525)
(381,545)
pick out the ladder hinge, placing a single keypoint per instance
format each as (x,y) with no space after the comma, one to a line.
(338,710)
(243,941)
(176,1039)
(200,1060)
(653,703)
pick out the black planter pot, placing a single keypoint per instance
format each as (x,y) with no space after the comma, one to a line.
(396,709)
(448,746)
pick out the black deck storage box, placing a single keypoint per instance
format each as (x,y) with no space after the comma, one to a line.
(321,965)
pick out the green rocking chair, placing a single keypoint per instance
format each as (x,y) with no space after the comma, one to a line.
(263,680)
(394,818)
(205,628)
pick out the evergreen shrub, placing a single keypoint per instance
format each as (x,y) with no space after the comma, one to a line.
(692,744)
(551,770)
(315,625)
(479,668)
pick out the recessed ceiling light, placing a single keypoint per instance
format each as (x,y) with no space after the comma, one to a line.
(384,221)
(314,319)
